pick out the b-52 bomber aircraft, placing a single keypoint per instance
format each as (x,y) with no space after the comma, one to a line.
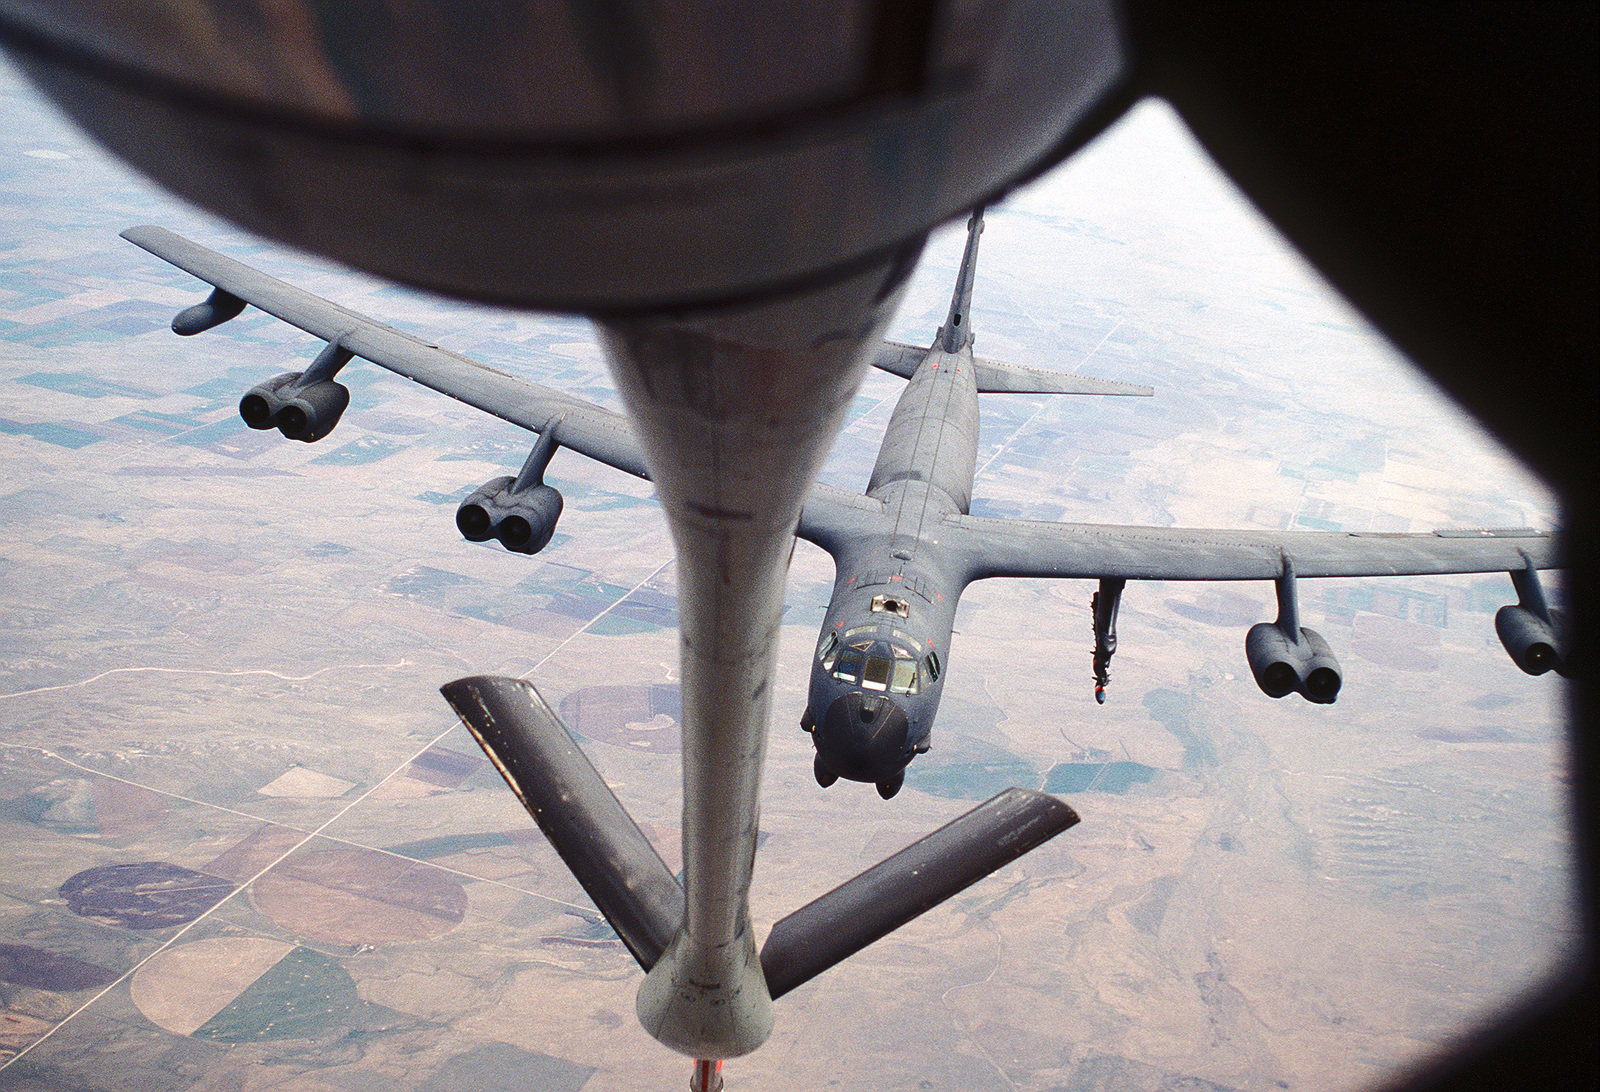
(906,549)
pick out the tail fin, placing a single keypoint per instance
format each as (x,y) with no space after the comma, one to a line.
(956,333)
(992,376)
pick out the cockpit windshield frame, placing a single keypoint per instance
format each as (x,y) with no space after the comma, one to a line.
(863,656)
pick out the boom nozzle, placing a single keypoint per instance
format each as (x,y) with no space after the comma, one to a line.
(707,1076)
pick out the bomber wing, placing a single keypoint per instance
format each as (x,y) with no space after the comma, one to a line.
(1005,547)
(833,517)
(593,430)
(1284,656)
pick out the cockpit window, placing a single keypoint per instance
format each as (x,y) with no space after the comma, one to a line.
(829,652)
(892,663)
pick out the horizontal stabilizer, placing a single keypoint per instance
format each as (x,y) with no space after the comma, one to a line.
(997,377)
(576,809)
(918,878)
(898,359)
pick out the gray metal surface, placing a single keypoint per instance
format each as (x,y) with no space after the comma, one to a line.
(998,377)
(584,158)
(920,549)
(1004,547)
(993,547)
(896,890)
(734,409)
(596,432)
(734,412)
(576,810)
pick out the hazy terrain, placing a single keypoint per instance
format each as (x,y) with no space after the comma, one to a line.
(245,846)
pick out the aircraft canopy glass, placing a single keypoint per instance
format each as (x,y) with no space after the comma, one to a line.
(863,657)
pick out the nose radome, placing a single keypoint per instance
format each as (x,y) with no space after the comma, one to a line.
(863,737)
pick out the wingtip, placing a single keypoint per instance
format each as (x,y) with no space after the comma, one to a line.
(148,236)
(1132,390)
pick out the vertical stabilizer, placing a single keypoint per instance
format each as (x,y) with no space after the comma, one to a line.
(956,333)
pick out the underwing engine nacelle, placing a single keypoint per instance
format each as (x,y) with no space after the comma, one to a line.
(1530,630)
(1287,658)
(301,405)
(520,511)
(1530,639)
(1285,666)
(523,522)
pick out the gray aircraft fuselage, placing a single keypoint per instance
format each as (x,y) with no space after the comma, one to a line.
(878,671)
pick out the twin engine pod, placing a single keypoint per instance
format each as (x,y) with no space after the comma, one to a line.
(522,511)
(300,410)
(301,405)
(1287,658)
(1285,666)
(523,520)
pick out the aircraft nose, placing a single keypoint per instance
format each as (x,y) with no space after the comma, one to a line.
(863,737)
